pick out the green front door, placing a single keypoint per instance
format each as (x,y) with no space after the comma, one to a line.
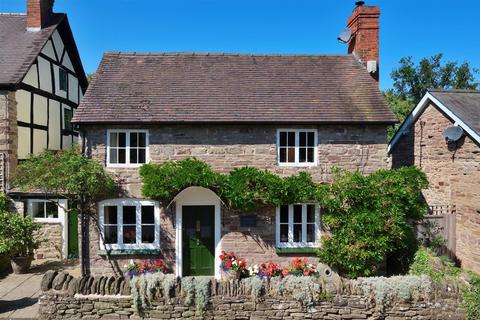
(72,235)
(198,229)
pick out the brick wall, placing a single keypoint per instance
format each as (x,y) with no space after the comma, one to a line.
(454,176)
(8,131)
(227,147)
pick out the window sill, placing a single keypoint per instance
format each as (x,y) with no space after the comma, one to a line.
(129,252)
(293,164)
(138,165)
(311,250)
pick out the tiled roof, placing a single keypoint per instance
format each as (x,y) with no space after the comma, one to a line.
(192,87)
(19,47)
(465,104)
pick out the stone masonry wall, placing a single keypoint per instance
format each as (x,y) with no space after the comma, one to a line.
(225,148)
(65,297)
(454,175)
(51,248)
(8,131)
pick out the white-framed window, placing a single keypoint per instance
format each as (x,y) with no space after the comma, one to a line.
(42,210)
(127,148)
(298,226)
(129,224)
(297,147)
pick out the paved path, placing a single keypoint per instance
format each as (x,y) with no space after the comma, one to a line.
(19,292)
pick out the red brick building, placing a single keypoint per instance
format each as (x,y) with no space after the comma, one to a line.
(451,160)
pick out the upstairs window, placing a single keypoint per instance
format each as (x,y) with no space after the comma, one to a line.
(127,147)
(298,225)
(297,147)
(129,224)
(63,79)
(67,118)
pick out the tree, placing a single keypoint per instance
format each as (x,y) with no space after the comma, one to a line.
(67,174)
(411,82)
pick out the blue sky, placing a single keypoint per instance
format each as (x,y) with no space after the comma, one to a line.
(408,27)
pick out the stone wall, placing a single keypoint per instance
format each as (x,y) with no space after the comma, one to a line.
(227,147)
(51,248)
(8,132)
(65,297)
(453,172)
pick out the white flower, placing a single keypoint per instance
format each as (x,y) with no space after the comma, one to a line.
(131,261)
(125,266)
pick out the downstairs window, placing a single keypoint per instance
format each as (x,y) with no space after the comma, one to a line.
(298,226)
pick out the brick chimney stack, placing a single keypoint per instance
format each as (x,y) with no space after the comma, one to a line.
(364,42)
(38,13)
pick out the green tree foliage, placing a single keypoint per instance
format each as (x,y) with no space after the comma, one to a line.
(411,81)
(368,217)
(67,174)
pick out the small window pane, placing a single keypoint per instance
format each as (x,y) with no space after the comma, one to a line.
(38,210)
(122,139)
(110,234)
(291,139)
(113,139)
(67,118)
(283,139)
(113,156)
(142,139)
(302,156)
(133,140)
(284,233)
(121,156)
(291,154)
(297,233)
(310,213)
(141,156)
(311,139)
(310,232)
(297,214)
(284,214)
(110,214)
(129,234)
(148,234)
(63,75)
(148,215)
(303,139)
(133,156)
(310,155)
(283,154)
(129,214)
(51,210)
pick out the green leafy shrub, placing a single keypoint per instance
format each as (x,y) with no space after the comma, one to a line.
(471,298)
(368,217)
(17,235)
(427,263)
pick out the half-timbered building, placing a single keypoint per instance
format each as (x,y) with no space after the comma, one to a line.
(41,84)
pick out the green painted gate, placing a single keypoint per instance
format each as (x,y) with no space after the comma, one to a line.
(72,235)
(198,229)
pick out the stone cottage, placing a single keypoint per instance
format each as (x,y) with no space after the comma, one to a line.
(41,84)
(284,113)
(442,136)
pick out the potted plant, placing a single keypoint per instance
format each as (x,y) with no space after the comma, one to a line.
(17,240)
(231,266)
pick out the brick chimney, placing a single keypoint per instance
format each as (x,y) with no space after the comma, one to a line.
(38,13)
(364,25)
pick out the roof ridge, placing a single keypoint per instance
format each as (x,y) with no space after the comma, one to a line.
(218,54)
(13,14)
(454,90)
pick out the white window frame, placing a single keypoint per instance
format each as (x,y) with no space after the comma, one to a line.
(302,244)
(297,163)
(60,215)
(127,163)
(138,203)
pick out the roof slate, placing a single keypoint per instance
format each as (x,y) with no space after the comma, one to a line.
(19,47)
(465,104)
(223,88)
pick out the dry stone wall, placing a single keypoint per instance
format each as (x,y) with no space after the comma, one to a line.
(65,297)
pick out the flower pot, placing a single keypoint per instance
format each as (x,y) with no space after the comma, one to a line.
(21,264)
(230,275)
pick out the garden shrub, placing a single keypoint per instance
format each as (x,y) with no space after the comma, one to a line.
(196,289)
(368,217)
(471,298)
(146,287)
(427,263)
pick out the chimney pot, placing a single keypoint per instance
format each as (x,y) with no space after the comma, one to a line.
(359,3)
(38,13)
